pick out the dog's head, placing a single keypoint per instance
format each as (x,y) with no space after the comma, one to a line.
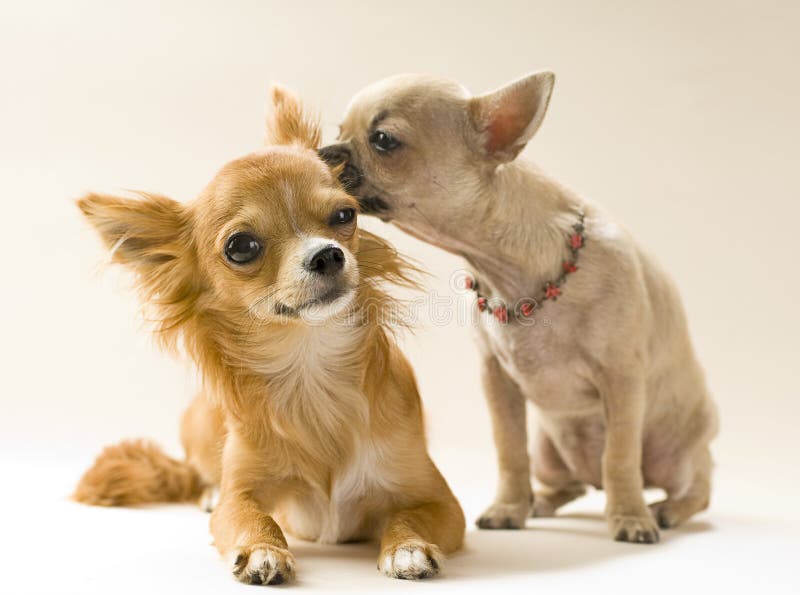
(416,147)
(272,237)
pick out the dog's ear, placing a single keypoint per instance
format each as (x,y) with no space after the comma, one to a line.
(151,236)
(506,119)
(140,232)
(290,123)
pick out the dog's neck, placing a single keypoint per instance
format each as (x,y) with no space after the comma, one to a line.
(300,382)
(514,231)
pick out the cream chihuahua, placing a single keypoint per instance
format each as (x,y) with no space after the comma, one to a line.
(310,420)
(577,317)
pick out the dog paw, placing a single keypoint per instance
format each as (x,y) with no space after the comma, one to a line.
(262,564)
(542,508)
(635,528)
(209,499)
(504,516)
(413,560)
(669,513)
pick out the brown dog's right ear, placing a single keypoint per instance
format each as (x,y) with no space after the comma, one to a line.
(290,123)
(152,237)
(508,118)
(140,233)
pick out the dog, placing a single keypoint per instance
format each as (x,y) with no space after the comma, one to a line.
(576,317)
(310,420)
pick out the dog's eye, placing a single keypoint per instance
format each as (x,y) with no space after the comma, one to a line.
(242,248)
(342,216)
(383,142)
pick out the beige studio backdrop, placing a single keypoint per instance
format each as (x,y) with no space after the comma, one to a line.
(680,117)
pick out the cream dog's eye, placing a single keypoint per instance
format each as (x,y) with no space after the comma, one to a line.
(242,248)
(383,142)
(342,216)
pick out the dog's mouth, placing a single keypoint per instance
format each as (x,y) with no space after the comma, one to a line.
(340,156)
(352,179)
(374,205)
(325,299)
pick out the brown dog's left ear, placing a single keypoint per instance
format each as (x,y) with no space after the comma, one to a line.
(509,117)
(290,123)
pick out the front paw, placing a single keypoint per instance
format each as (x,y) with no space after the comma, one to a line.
(410,560)
(640,528)
(262,564)
(504,516)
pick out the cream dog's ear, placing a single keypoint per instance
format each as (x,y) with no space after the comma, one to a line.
(506,119)
(290,123)
(151,236)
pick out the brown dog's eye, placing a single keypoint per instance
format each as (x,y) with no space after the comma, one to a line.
(383,142)
(342,216)
(242,248)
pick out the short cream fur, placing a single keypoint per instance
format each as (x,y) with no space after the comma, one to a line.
(621,397)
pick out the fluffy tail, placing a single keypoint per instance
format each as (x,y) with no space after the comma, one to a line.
(137,472)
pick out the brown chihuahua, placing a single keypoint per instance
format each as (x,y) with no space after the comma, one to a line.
(309,420)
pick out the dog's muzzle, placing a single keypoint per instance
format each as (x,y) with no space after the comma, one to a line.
(374,205)
(350,177)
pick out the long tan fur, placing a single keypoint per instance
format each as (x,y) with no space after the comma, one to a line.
(310,419)
(137,472)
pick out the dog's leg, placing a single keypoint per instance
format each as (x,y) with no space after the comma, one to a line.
(248,538)
(512,503)
(682,501)
(209,498)
(414,539)
(547,500)
(628,516)
(203,435)
(558,486)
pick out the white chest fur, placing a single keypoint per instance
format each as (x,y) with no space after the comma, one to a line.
(362,481)
(315,387)
(357,490)
(315,382)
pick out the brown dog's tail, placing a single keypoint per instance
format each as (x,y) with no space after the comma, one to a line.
(137,472)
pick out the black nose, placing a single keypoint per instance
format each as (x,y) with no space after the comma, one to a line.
(350,177)
(328,261)
(334,154)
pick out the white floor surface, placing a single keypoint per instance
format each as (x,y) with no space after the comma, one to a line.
(49,544)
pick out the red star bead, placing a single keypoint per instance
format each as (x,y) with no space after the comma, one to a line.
(501,314)
(569,267)
(552,292)
(482,304)
(527,309)
(576,241)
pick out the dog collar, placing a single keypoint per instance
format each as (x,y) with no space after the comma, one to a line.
(525,308)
